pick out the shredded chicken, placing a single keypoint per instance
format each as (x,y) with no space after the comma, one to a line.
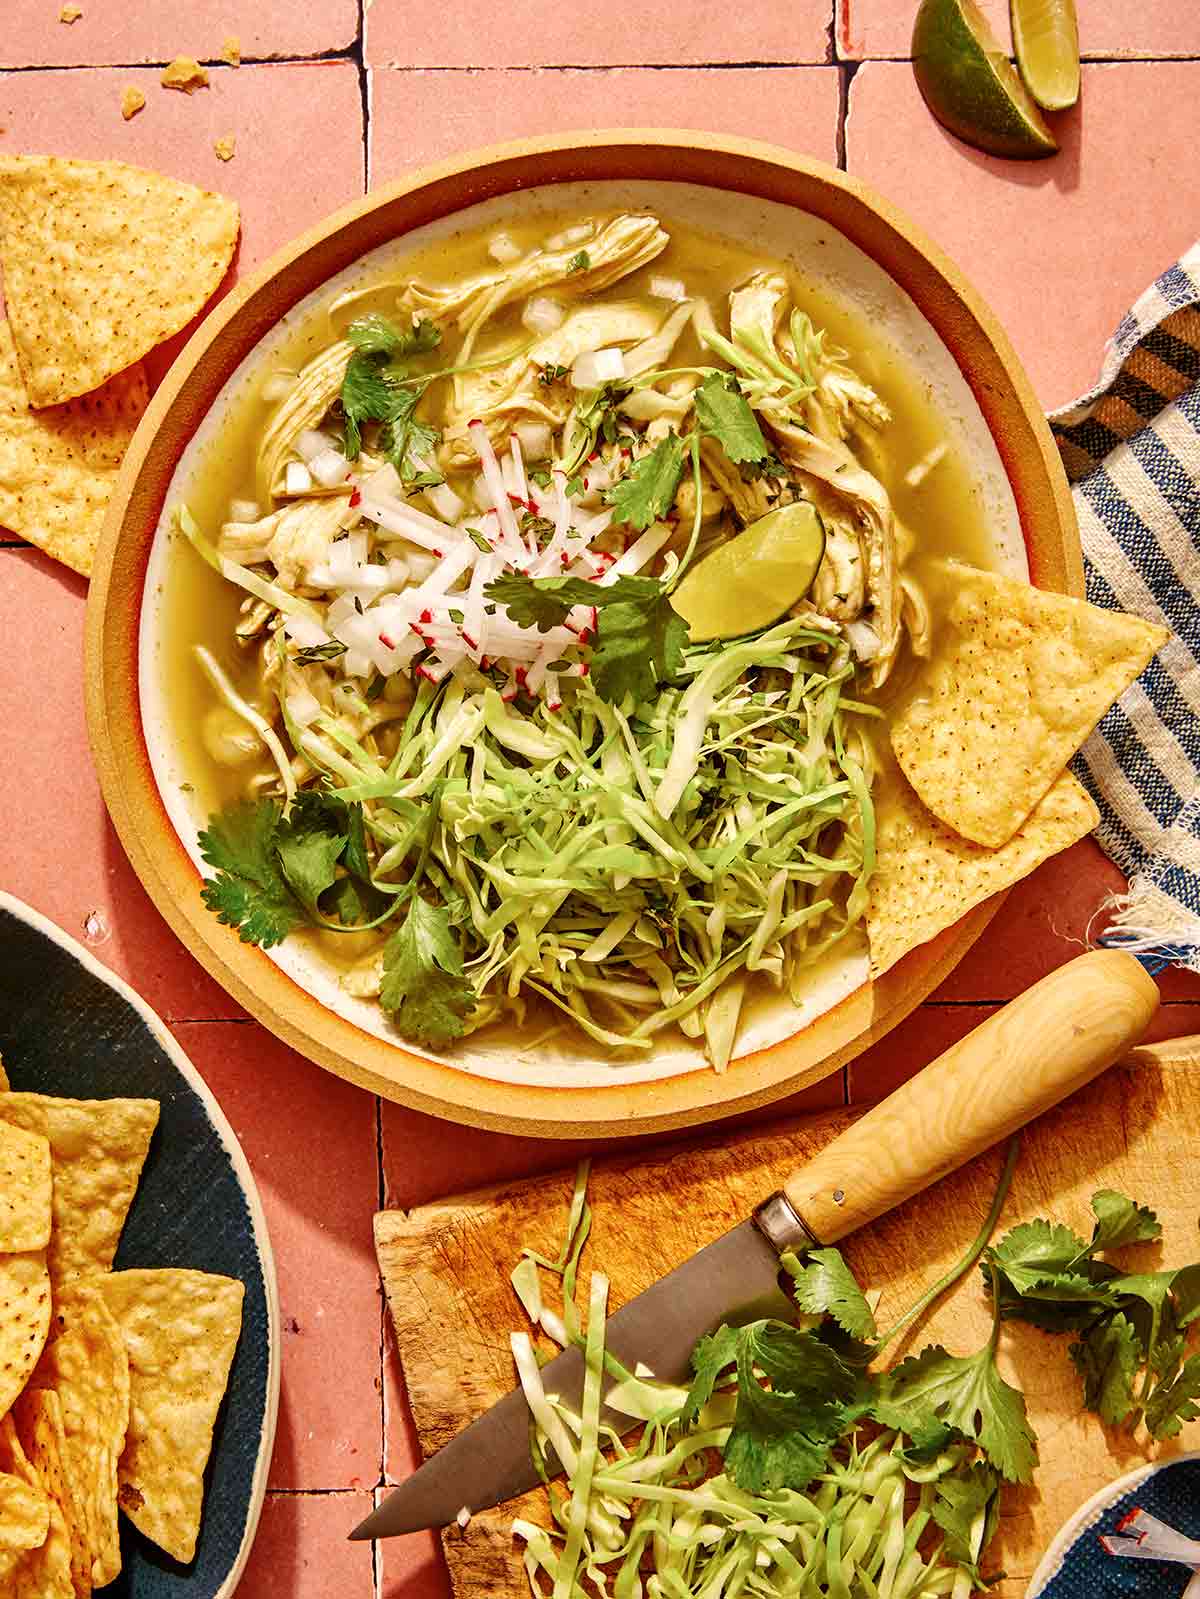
(295,539)
(317,387)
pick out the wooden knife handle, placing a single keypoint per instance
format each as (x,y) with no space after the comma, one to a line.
(1035,1052)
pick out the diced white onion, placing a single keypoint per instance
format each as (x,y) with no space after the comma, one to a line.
(445,502)
(329,468)
(303,707)
(297,479)
(595,367)
(311,443)
(668,288)
(278,386)
(535,439)
(243,511)
(355,663)
(306,634)
(503,249)
(543,314)
(572,235)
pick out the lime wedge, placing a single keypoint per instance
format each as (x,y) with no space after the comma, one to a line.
(751,580)
(1046,37)
(971,86)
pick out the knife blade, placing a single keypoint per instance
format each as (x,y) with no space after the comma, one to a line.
(1025,1058)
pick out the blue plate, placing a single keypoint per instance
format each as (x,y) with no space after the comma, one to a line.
(69,1027)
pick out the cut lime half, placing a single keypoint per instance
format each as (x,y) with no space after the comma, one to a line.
(754,578)
(971,86)
(1046,39)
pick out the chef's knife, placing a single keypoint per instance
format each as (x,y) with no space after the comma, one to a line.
(1025,1058)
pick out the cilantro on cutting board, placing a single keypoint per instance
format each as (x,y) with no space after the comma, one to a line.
(1130,1347)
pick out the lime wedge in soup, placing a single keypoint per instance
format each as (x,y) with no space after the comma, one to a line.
(1046,39)
(971,86)
(753,579)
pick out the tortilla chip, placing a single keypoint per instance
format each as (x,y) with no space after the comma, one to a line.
(184,73)
(927,877)
(43,1569)
(132,101)
(24,1319)
(231,50)
(58,466)
(181,1329)
(24,1190)
(102,261)
(86,1366)
(1016,682)
(97,1150)
(5,1085)
(24,1514)
(70,14)
(224,148)
(38,1415)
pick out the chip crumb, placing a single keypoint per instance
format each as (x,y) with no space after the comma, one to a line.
(132,101)
(231,50)
(184,74)
(224,148)
(70,14)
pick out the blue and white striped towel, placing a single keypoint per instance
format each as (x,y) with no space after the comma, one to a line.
(1132,451)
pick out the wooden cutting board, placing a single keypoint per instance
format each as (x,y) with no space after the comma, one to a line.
(446,1269)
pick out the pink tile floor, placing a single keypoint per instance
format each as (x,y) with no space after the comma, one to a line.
(330,97)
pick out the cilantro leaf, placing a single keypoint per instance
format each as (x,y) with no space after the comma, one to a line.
(544,602)
(423,983)
(724,413)
(782,1436)
(709,1359)
(249,891)
(404,439)
(1107,1358)
(825,1285)
(967,1392)
(316,653)
(648,491)
(367,396)
(309,843)
(639,644)
(1174,1403)
(1119,1221)
(377,335)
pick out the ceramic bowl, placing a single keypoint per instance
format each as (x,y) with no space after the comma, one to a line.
(864,251)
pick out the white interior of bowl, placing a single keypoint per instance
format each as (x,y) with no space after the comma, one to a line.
(840,270)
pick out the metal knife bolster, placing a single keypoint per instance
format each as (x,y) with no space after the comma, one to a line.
(782,1225)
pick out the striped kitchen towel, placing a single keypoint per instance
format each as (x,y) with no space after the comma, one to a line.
(1132,452)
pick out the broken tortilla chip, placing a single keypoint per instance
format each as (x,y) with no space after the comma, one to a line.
(97,1150)
(85,1364)
(231,50)
(24,1513)
(184,73)
(24,1319)
(24,1190)
(132,101)
(224,147)
(927,877)
(58,466)
(1017,681)
(4,1082)
(38,1415)
(102,261)
(181,1329)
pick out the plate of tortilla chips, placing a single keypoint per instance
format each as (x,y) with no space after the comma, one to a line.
(139,1375)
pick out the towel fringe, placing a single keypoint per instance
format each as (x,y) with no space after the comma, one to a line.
(1146,922)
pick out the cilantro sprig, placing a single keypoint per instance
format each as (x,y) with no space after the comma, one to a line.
(374,390)
(1131,1345)
(639,636)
